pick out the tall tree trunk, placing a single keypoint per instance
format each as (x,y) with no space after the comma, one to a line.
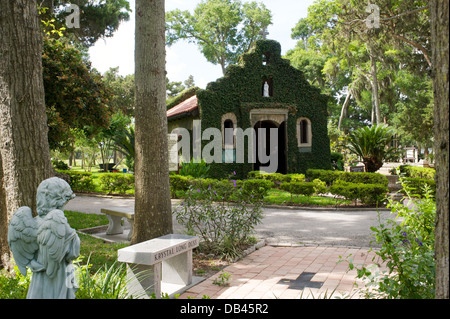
(153,209)
(344,108)
(375,95)
(439,39)
(4,248)
(23,122)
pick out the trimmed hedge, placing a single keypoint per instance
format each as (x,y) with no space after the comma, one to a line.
(367,193)
(326,176)
(79,181)
(116,182)
(330,177)
(299,188)
(276,177)
(305,188)
(417,172)
(178,183)
(257,188)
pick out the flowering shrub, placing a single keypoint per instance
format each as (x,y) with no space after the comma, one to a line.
(407,249)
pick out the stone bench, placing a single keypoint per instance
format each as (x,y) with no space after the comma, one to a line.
(115,217)
(160,265)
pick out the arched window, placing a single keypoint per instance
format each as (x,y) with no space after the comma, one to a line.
(304,132)
(228,134)
(229,124)
(266,59)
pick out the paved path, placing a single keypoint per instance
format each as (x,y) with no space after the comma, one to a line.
(280,225)
(289,273)
(301,260)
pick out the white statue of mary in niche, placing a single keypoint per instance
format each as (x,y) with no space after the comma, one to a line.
(266,89)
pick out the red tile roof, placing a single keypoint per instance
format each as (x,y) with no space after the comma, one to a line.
(186,106)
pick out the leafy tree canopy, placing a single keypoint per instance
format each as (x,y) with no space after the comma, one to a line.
(98,18)
(122,89)
(75,95)
(222,29)
(342,55)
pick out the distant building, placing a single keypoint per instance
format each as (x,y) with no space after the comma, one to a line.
(262,92)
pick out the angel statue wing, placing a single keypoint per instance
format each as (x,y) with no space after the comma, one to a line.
(22,235)
(52,239)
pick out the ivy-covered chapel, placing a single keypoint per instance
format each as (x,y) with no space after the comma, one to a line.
(262,91)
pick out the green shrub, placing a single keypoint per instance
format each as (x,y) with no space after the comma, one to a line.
(253,174)
(109,282)
(371,144)
(367,193)
(257,188)
(60,165)
(320,187)
(116,182)
(178,183)
(274,177)
(13,285)
(417,172)
(299,188)
(347,190)
(286,186)
(305,188)
(416,186)
(407,249)
(295,178)
(373,193)
(224,226)
(326,176)
(329,177)
(223,189)
(80,181)
(277,178)
(364,178)
(196,170)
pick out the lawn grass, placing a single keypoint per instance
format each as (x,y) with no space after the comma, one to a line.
(96,250)
(280,197)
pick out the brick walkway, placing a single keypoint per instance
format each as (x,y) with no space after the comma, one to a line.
(270,271)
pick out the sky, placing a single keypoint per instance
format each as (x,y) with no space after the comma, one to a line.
(183,58)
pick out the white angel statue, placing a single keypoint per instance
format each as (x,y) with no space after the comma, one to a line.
(46,244)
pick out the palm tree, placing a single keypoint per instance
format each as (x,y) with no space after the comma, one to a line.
(124,143)
(372,144)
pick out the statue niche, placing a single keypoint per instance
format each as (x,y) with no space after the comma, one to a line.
(267,87)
